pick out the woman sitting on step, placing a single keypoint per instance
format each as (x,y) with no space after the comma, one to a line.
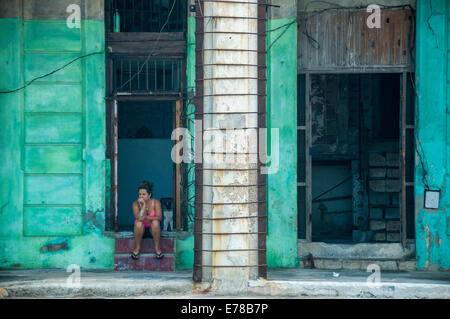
(147,211)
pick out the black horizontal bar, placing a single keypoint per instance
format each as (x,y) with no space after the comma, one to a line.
(332,199)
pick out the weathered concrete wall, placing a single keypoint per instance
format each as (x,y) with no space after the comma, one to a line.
(309,5)
(282,115)
(432,109)
(53,148)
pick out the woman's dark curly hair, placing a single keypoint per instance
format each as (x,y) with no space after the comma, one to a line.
(147,186)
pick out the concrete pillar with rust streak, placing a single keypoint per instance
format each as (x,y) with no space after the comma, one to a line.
(229,260)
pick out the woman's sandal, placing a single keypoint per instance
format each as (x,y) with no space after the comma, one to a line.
(134,256)
(159,256)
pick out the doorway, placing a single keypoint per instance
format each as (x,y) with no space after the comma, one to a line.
(356,157)
(144,153)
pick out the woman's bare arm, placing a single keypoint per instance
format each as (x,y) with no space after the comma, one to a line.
(136,210)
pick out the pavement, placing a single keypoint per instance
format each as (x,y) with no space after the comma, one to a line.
(281,283)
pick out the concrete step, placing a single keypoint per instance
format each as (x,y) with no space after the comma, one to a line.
(147,260)
(359,264)
(126,245)
(363,251)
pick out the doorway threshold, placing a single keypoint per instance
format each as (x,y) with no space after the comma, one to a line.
(389,251)
(357,256)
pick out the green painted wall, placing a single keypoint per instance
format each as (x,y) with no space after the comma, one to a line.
(52,144)
(433,117)
(282,115)
(184,258)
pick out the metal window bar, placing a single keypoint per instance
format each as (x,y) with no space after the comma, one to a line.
(137,75)
(147,15)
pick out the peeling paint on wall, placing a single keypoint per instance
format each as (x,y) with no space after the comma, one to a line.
(51,248)
(60,180)
(432,75)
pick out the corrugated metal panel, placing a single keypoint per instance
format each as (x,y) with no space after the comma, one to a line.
(341,40)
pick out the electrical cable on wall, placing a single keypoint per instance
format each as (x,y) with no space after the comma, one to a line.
(50,73)
(67,64)
(339,6)
(152,53)
(153,49)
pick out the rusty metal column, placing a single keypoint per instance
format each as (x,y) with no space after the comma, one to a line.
(116,164)
(198,206)
(262,206)
(229,239)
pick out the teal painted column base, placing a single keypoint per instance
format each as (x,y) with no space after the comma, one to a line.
(432,134)
(184,255)
(282,115)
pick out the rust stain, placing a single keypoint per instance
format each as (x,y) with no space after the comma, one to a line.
(438,240)
(16,265)
(55,247)
(429,236)
(429,245)
(203,291)
(309,262)
(200,288)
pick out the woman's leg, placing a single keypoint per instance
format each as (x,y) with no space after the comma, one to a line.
(156,231)
(138,233)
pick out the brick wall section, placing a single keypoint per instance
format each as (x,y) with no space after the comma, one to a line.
(384,192)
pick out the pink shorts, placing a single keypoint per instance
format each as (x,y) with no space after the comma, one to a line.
(147,224)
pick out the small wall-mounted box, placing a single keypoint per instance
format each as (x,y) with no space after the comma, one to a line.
(432,199)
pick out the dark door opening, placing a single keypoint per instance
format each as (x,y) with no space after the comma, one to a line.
(144,153)
(356,132)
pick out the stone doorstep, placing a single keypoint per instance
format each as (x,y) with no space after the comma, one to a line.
(362,264)
(123,262)
(125,245)
(359,251)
